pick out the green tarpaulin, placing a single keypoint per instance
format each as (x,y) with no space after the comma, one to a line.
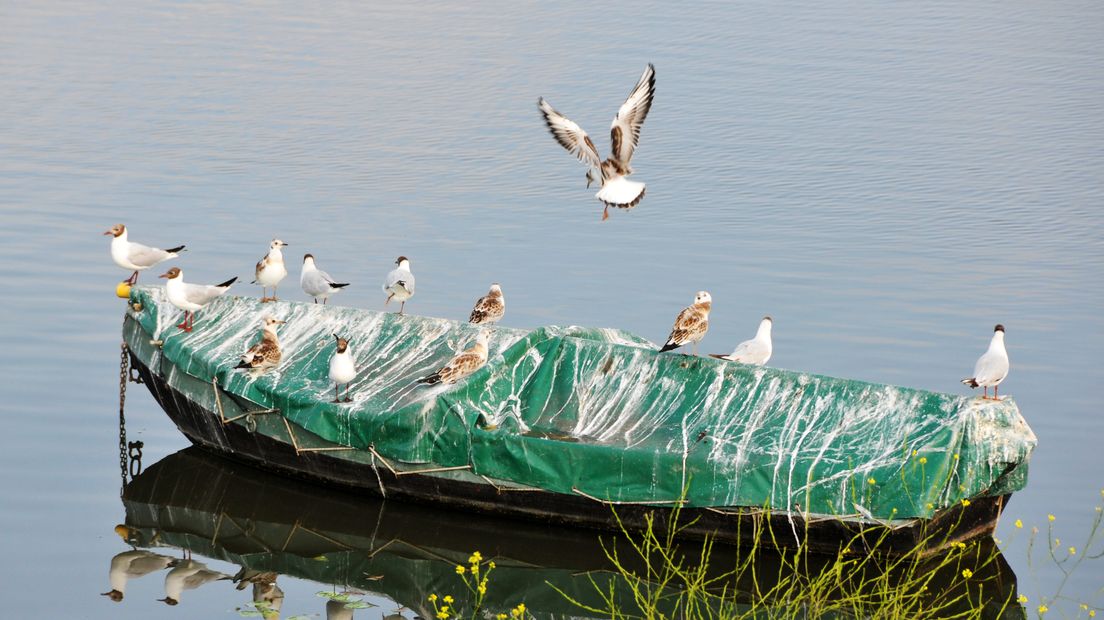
(600,412)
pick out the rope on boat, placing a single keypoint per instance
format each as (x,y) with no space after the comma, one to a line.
(501,489)
(250,422)
(298,450)
(609,502)
(414,471)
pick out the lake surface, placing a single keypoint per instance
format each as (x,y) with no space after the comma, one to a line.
(888,181)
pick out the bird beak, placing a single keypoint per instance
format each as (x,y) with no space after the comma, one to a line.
(279,322)
(164,275)
(108,233)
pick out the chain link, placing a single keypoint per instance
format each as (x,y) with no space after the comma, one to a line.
(124,375)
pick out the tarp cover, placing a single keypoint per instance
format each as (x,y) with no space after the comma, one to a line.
(601,412)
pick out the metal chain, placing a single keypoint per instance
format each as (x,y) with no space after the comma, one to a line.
(123,376)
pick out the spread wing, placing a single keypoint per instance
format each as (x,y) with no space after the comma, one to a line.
(625,129)
(570,136)
(690,323)
(145,256)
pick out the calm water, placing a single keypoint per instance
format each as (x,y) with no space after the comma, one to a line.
(887,181)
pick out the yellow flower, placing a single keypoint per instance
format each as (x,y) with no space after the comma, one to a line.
(965,502)
(914,452)
(1018,524)
(491,564)
(432,598)
(1050,518)
(1092,613)
(931,506)
(1043,609)
(1084,607)
(500,617)
(482,588)
(1073,550)
(448,599)
(442,614)
(1022,599)
(1057,542)
(460,569)
(923,460)
(475,558)
(967,573)
(956,457)
(872,481)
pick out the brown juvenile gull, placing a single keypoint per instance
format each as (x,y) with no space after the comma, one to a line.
(691,324)
(992,366)
(616,190)
(490,307)
(463,364)
(266,353)
(135,256)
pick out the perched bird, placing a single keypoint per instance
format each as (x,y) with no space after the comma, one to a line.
(755,351)
(266,353)
(317,283)
(131,565)
(342,369)
(191,297)
(188,575)
(691,324)
(490,307)
(992,366)
(399,283)
(270,270)
(616,191)
(463,364)
(135,256)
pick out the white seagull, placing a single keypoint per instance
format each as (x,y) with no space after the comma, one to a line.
(616,190)
(270,270)
(191,297)
(399,284)
(131,565)
(691,324)
(992,366)
(317,283)
(755,351)
(342,369)
(135,256)
(490,308)
(188,575)
(462,364)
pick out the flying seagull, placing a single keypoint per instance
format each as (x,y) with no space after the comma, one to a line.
(616,190)
(992,366)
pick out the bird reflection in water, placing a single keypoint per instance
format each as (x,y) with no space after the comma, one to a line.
(132,565)
(188,575)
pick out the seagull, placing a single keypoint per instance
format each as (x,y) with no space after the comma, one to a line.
(400,283)
(135,256)
(318,283)
(342,369)
(463,364)
(270,269)
(132,565)
(992,366)
(755,351)
(490,307)
(191,297)
(691,324)
(616,191)
(188,575)
(266,353)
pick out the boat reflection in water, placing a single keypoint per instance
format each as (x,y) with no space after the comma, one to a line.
(272,526)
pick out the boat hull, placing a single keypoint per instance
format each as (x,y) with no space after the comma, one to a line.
(208,428)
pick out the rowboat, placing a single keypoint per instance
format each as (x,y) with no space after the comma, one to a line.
(586,427)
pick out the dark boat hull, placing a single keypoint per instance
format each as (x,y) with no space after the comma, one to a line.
(206,429)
